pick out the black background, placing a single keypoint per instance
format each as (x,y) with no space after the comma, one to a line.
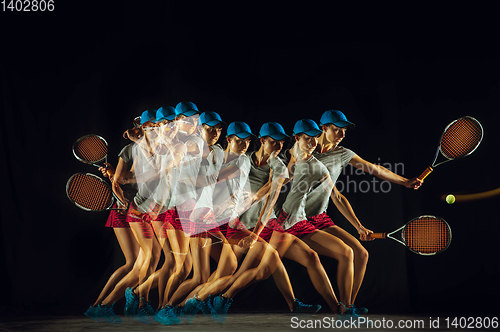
(401,73)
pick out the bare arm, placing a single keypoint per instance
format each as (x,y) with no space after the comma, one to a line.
(268,207)
(383,173)
(271,190)
(345,208)
(228,173)
(120,172)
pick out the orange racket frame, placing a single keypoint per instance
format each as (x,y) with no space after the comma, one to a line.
(91,149)
(425,235)
(460,138)
(90,192)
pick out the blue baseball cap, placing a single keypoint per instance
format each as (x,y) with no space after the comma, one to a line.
(165,113)
(186,108)
(308,127)
(210,118)
(240,129)
(148,115)
(273,130)
(335,117)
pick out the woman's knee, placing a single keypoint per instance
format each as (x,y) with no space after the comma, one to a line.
(312,258)
(202,277)
(362,254)
(128,267)
(347,253)
(232,264)
(263,273)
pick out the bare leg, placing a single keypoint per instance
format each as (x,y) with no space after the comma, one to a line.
(227,265)
(179,243)
(160,277)
(130,280)
(328,245)
(360,257)
(147,240)
(252,259)
(130,249)
(270,263)
(201,270)
(302,254)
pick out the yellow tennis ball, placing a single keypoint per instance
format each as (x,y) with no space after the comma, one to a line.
(450,199)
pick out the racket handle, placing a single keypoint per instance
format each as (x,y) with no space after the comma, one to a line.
(376,236)
(425,173)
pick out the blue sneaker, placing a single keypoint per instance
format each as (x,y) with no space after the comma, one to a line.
(168,316)
(146,313)
(178,311)
(349,314)
(206,306)
(221,306)
(190,310)
(103,313)
(359,311)
(131,303)
(302,308)
(92,312)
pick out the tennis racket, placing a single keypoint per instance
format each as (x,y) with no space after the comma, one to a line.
(91,149)
(137,122)
(425,235)
(90,193)
(460,138)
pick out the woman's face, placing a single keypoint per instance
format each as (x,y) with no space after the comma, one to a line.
(238,145)
(211,134)
(307,143)
(187,124)
(148,129)
(167,129)
(271,145)
(334,134)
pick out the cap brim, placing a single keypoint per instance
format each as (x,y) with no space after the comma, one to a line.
(343,124)
(214,123)
(244,135)
(278,136)
(313,132)
(168,118)
(340,124)
(189,113)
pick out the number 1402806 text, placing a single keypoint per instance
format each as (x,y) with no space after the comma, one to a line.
(28,5)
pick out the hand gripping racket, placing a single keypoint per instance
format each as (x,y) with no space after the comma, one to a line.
(460,138)
(425,235)
(91,149)
(90,193)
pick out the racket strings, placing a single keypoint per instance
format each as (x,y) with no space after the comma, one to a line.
(89,192)
(427,235)
(461,138)
(91,148)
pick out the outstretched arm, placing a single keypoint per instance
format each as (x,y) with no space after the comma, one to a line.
(345,208)
(383,173)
